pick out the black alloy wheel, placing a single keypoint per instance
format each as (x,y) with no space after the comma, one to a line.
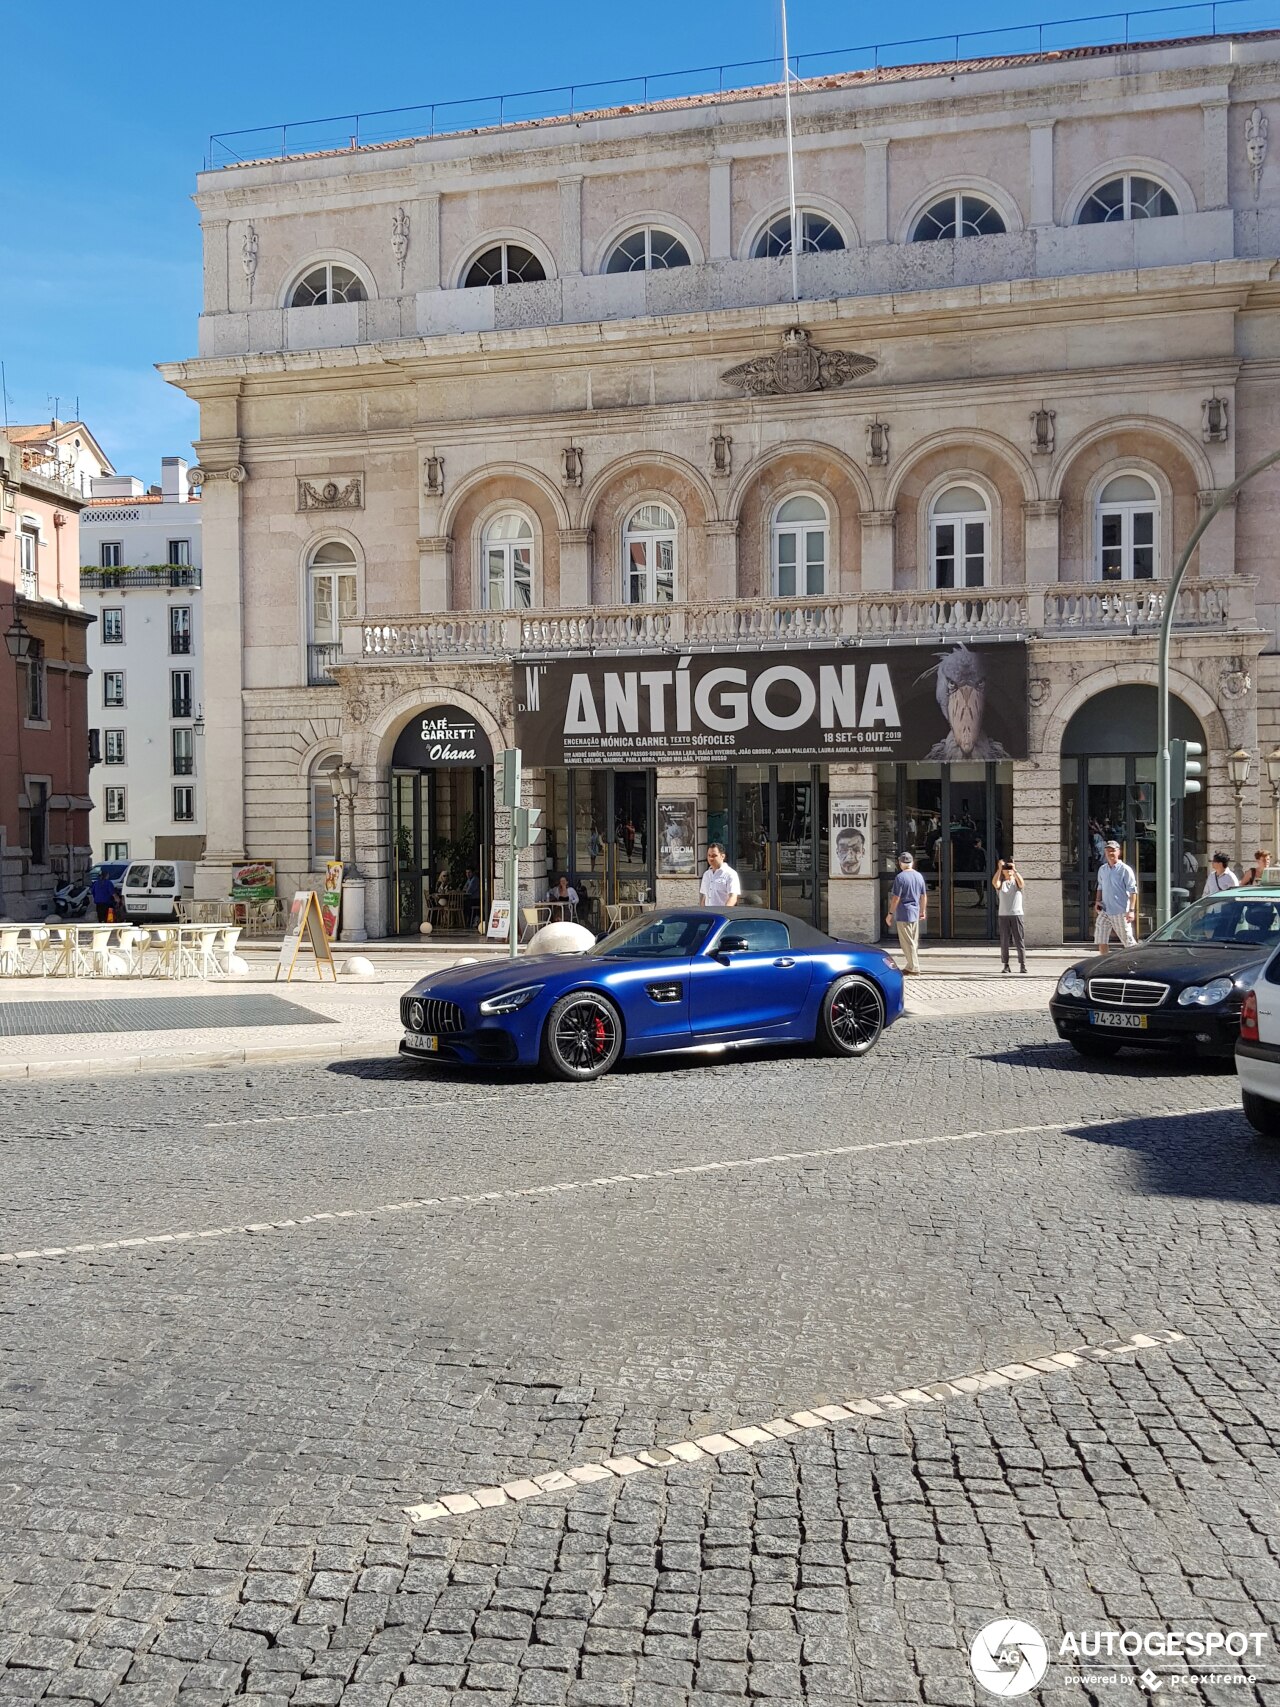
(852,1016)
(583,1038)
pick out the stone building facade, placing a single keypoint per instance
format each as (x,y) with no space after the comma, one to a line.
(475,404)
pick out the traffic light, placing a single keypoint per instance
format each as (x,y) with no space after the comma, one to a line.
(525,829)
(1185,769)
(509,778)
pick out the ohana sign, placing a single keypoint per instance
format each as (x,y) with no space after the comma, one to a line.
(442,736)
(955,703)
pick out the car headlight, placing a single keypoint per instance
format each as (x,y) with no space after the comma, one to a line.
(510,1000)
(1206,995)
(1071,983)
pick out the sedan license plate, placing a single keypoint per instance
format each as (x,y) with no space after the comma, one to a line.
(428,1045)
(1122,1022)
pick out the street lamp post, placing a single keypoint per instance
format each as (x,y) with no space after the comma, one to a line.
(17,638)
(1163,803)
(1273,777)
(346,785)
(1238,766)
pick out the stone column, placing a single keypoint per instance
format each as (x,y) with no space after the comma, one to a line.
(853,903)
(1214,144)
(1036,846)
(570,227)
(1041,141)
(1040,523)
(686,783)
(875,167)
(721,548)
(720,192)
(435,558)
(877,550)
(222,672)
(425,240)
(575,567)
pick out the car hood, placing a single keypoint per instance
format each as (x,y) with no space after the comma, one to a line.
(1178,964)
(487,978)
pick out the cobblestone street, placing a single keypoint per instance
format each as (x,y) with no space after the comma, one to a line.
(308,1298)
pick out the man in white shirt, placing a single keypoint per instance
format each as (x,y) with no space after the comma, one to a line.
(1221,877)
(720,886)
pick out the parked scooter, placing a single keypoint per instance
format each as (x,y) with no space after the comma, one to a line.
(72,900)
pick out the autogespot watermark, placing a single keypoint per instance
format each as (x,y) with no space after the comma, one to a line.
(1010,1657)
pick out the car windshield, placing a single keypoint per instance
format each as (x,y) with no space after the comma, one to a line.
(672,936)
(1233,920)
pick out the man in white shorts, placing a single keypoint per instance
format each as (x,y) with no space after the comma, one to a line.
(720,886)
(1116,901)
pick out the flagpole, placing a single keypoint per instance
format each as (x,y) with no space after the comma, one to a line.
(791,159)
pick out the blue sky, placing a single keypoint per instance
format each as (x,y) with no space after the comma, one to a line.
(110,117)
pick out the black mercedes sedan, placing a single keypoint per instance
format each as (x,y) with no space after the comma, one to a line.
(1183,987)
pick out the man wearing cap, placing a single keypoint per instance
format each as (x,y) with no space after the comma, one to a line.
(1116,901)
(908,906)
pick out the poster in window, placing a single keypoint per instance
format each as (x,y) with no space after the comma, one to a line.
(678,837)
(256,882)
(850,836)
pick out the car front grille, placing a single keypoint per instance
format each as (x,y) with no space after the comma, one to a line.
(430,1015)
(1126,992)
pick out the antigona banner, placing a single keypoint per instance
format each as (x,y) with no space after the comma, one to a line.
(954,703)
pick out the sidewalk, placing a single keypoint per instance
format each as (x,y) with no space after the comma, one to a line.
(81,1026)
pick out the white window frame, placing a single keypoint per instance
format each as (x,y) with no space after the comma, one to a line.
(800,531)
(113,704)
(803,214)
(322,778)
(647,231)
(183,736)
(114,852)
(116,639)
(1125,510)
(184,792)
(334,574)
(114,738)
(179,554)
(507,548)
(328,266)
(36,704)
(188,697)
(505,244)
(180,630)
(115,793)
(650,538)
(957,198)
(29,560)
(110,553)
(962,520)
(1127,174)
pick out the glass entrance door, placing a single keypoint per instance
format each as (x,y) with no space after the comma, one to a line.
(776,831)
(956,821)
(611,856)
(1112,797)
(440,833)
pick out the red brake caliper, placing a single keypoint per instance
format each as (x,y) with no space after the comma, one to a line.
(599,1035)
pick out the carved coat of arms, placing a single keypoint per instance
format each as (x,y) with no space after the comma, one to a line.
(798,366)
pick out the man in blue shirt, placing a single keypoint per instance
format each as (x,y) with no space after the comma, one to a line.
(1116,901)
(103,891)
(908,906)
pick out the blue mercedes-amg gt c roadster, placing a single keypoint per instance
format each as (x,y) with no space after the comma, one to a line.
(682,979)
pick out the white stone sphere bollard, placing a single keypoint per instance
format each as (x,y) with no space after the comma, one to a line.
(237,966)
(562,936)
(359,966)
(425,928)
(468,960)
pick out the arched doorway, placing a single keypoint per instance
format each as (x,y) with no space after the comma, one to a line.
(1108,792)
(441,823)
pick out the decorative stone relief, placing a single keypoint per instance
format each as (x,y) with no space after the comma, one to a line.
(1043,436)
(236,472)
(331,495)
(572,465)
(721,453)
(433,476)
(1235,684)
(798,366)
(400,240)
(1038,690)
(878,443)
(1256,129)
(249,256)
(1214,420)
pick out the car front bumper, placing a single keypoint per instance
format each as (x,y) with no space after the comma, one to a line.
(485,1040)
(1210,1031)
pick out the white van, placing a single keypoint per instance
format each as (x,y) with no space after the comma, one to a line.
(152,889)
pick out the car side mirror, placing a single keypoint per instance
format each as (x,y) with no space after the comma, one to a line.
(731,945)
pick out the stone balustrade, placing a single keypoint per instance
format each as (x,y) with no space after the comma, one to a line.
(1048,612)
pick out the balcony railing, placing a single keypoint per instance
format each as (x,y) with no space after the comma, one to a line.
(1060,610)
(320,659)
(125,579)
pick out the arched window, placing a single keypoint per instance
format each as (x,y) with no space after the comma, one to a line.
(1128,196)
(649,556)
(958,215)
(1128,508)
(331,601)
(647,251)
(959,538)
(327,284)
(508,562)
(817,234)
(800,533)
(504,264)
(326,832)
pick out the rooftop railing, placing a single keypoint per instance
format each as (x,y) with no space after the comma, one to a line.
(924,55)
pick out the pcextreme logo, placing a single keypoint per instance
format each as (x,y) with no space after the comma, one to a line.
(1009,1657)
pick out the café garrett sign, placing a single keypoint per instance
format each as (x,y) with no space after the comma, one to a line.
(442,736)
(953,703)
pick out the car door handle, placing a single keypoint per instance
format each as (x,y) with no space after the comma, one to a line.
(784,963)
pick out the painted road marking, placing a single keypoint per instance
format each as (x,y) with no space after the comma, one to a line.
(750,1436)
(469,1200)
